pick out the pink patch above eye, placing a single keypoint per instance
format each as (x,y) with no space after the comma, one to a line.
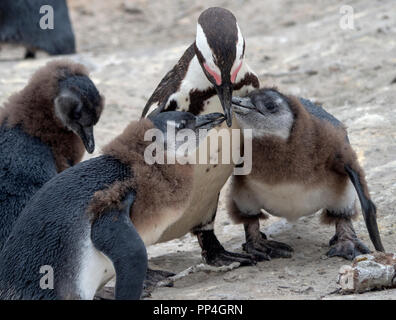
(214,74)
(235,73)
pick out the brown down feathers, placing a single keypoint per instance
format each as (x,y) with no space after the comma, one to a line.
(315,151)
(33,109)
(157,186)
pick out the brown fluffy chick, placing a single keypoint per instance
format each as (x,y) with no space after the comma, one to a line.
(301,162)
(43,130)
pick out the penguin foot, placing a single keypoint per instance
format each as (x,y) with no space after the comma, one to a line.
(264,249)
(222,257)
(345,242)
(152,278)
(214,253)
(347,248)
(258,245)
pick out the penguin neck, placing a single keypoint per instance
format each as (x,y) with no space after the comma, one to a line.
(32,109)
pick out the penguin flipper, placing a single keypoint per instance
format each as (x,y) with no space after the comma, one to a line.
(115,236)
(170,83)
(368,208)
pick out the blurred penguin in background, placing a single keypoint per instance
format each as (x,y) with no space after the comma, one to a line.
(37,25)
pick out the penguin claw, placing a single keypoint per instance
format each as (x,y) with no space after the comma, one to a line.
(264,249)
(347,248)
(258,255)
(225,258)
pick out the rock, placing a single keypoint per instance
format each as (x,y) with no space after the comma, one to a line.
(368,272)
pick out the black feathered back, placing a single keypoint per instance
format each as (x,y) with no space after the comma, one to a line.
(26,164)
(51,231)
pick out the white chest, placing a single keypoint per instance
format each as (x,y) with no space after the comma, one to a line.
(95,270)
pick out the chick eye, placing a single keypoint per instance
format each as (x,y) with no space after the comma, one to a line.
(271,106)
(181,125)
(76,114)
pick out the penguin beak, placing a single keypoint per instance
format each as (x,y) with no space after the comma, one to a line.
(243,102)
(209,121)
(87,136)
(242,106)
(225,95)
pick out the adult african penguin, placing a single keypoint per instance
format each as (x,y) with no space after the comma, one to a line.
(203,81)
(301,162)
(43,130)
(37,25)
(88,222)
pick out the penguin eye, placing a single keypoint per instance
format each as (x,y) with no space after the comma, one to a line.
(76,114)
(182,124)
(271,106)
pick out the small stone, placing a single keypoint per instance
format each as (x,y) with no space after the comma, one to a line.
(131,8)
(289,23)
(311,72)
(307,290)
(321,271)
(283,287)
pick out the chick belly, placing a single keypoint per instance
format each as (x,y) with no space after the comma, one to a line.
(202,202)
(293,200)
(208,179)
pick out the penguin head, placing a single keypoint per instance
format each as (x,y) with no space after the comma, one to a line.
(220,48)
(78,106)
(266,111)
(181,132)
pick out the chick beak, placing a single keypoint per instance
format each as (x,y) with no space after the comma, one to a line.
(87,136)
(243,102)
(209,121)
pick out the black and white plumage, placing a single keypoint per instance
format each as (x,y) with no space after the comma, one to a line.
(212,66)
(210,71)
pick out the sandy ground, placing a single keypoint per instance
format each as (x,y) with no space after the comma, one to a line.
(295,45)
